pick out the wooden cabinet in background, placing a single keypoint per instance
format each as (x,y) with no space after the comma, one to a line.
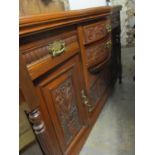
(69,62)
(116,54)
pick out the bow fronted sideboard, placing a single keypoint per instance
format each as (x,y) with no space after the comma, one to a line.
(69,63)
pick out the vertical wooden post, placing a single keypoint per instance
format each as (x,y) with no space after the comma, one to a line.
(32,109)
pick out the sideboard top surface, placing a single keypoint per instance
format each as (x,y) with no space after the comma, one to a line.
(38,23)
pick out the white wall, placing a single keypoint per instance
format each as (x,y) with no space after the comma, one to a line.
(126,21)
(81,4)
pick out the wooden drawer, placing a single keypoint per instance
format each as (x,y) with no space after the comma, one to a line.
(98,54)
(45,54)
(96,31)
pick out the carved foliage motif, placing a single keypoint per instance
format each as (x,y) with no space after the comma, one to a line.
(66,108)
(96,53)
(95,32)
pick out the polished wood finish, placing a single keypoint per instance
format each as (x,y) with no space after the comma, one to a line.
(36,53)
(98,53)
(62,95)
(36,23)
(69,62)
(95,31)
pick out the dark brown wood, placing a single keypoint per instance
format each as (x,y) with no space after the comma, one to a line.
(66,86)
(116,54)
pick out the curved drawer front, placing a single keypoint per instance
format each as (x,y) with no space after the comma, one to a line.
(94,32)
(50,52)
(98,53)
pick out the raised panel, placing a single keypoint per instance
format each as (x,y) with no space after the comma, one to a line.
(66,108)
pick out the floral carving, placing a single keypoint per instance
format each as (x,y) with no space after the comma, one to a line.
(66,108)
(96,53)
(95,32)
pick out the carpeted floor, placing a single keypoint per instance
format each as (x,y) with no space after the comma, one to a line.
(113,133)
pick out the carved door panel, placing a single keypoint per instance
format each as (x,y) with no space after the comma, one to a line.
(61,91)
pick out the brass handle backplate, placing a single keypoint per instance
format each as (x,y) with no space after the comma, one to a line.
(108,27)
(56,48)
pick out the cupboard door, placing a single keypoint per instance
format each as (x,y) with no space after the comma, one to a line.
(98,93)
(61,91)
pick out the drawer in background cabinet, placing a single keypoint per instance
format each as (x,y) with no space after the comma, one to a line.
(49,52)
(96,31)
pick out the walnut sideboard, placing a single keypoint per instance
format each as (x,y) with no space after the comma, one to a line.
(69,62)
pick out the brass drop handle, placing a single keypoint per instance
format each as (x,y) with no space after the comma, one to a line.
(108,27)
(56,48)
(84,97)
(85,100)
(108,44)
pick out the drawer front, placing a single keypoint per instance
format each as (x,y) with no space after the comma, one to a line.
(96,31)
(43,55)
(98,53)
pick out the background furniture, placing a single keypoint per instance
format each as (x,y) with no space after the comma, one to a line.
(69,62)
